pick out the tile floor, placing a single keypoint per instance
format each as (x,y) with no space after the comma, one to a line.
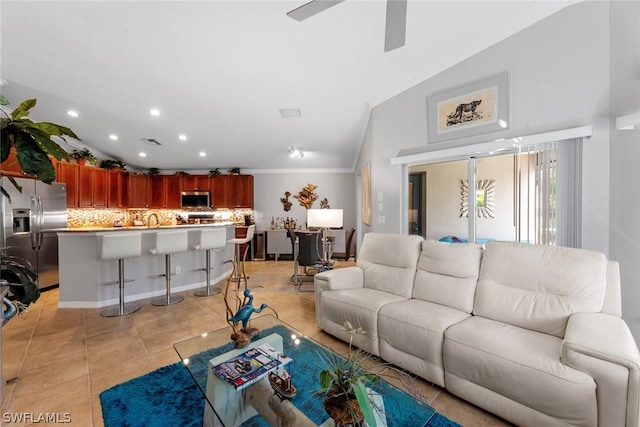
(64,358)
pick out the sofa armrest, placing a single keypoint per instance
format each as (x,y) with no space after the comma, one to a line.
(342,278)
(602,346)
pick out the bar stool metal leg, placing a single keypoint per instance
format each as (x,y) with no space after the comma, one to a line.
(168,299)
(122,309)
(207,292)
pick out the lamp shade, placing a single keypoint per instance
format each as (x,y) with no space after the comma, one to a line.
(324,218)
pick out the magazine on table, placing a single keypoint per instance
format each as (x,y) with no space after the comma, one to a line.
(250,366)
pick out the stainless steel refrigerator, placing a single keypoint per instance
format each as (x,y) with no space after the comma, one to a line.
(26,222)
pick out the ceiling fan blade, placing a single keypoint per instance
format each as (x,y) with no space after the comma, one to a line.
(396,24)
(309,9)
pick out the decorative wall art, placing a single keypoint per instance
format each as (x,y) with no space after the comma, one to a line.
(366,194)
(307,196)
(474,109)
(286,204)
(485,198)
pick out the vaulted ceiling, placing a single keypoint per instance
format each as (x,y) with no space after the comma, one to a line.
(219,72)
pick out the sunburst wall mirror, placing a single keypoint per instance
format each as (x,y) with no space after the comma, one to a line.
(485,198)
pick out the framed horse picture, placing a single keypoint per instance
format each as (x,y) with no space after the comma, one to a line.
(474,109)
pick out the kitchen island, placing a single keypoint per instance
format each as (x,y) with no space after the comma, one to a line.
(83,274)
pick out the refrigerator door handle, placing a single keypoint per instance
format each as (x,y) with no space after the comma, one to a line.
(41,223)
(33,222)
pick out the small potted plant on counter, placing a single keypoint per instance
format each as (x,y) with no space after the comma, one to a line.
(83,156)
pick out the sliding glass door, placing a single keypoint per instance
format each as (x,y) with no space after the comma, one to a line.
(527,194)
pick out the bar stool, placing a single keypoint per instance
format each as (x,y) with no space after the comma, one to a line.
(207,240)
(238,262)
(120,246)
(168,243)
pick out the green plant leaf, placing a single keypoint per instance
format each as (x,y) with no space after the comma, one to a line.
(326,378)
(22,110)
(46,143)
(360,390)
(5,146)
(33,159)
(3,100)
(54,129)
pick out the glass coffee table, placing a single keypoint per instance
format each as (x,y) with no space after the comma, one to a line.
(224,406)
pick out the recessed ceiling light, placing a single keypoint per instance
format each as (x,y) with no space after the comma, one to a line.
(182,137)
(72,113)
(203,154)
(113,137)
(290,112)
(154,112)
(142,154)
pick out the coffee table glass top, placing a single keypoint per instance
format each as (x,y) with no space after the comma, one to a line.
(401,408)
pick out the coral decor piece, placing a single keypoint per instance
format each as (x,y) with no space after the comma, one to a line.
(285,201)
(306,196)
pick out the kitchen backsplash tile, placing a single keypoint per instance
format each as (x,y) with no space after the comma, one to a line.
(108,217)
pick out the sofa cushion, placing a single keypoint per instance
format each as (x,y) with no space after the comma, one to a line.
(389,262)
(360,307)
(522,365)
(447,274)
(539,286)
(412,333)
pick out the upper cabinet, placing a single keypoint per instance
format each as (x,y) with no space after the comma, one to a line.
(117,189)
(194,182)
(11,165)
(165,191)
(219,185)
(92,187)
(68,173)
(240,191)
(138,191)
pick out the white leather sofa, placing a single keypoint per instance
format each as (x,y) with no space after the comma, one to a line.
(531,333)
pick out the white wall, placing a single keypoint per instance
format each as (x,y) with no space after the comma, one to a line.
(559,78)
(338,188)
(625,156)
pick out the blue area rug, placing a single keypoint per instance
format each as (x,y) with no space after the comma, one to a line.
(170,397)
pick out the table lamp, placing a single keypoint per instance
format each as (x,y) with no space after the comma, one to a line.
(325,219)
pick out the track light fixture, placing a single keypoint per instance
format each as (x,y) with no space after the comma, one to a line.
(295,151)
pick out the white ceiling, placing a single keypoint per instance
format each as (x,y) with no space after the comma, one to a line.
(219,71)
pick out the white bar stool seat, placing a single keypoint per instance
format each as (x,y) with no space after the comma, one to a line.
(239,261)
(120,246)
(210,239)
(167,243)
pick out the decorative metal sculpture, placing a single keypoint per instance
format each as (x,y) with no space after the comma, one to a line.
(306,196)
(240,309)
(285,202)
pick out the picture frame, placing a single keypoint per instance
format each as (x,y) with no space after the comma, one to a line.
(473,109)
(366,193)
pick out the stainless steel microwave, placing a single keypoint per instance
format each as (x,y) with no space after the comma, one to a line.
(195,199)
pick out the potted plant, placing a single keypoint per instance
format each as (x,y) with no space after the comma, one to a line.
(214,172)
(181,173)
(344,383)
(18,274)
(153,171)
(234,171)
(32,142)
(83,156)
(112,164)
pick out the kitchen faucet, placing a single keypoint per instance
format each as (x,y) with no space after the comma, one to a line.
(149,220)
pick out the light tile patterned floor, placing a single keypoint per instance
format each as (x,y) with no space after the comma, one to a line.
(64,358)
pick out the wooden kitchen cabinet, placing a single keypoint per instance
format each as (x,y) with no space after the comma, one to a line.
(240,191)
(219,189)
(138,191)
(117,189)
(92,187)
(194,182)
(165,191)
(11,166)
(68,173)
